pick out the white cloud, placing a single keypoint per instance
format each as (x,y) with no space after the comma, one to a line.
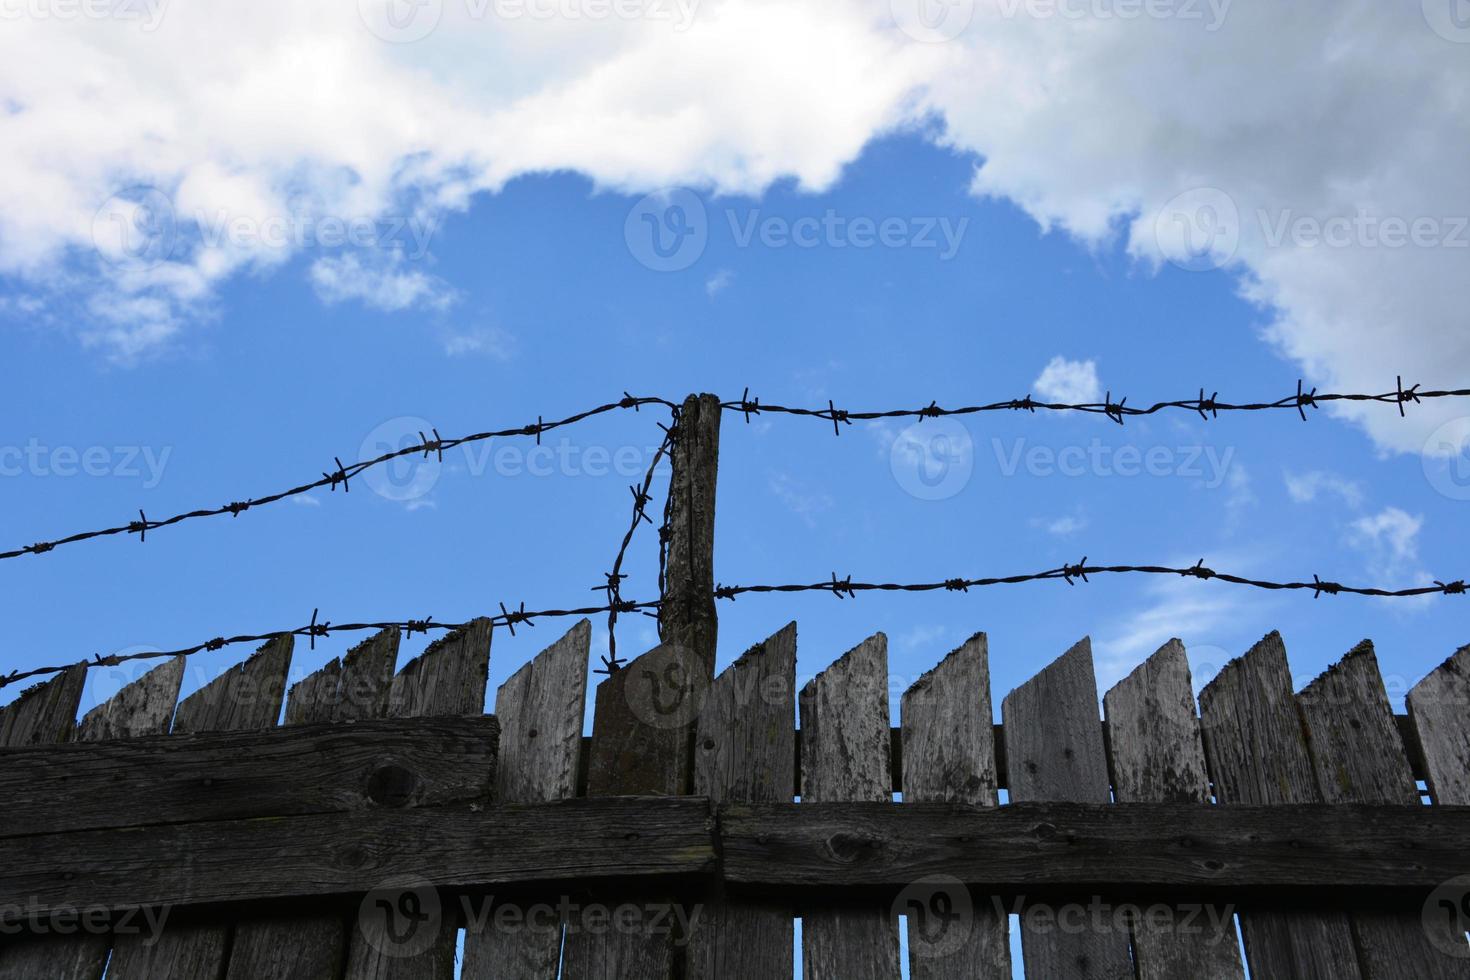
(491,342)
(1072,382)
(718,282)
(1389,541)
(389,287)
(278,109)
(1061,527)
(1304,488)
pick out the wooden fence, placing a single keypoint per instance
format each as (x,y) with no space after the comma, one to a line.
(388,815)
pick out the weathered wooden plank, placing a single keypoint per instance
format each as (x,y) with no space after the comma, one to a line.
(744,750)
(1157,757)
(46,715)
(243,697)
(540,709)
(448,678)
(356,686)
(844,725)
(1359,758)
(227,775)
(314,947)
(641,727)
(949,757)
(143,707)
(1439,709)
(1257,754)
(1288,853)
(1055,749)
(687,616)
(351,852)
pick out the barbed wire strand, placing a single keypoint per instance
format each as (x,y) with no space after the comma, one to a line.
(842,588)
(340,474)
(641,499)
(1206,408)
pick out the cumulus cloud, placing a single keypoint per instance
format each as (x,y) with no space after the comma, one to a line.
(1069,381)
(1307,150)
(1304,488)
(386,287)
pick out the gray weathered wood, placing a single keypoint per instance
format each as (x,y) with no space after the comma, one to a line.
(1360,759)
(46,715)
(314,947)
(1157,757)
(641,726)
(243,697)
(143,707)
(353,687)
(687,616)
(1257,754)
(448,678)
(1055,751)
(1439,709)
(744,750)
(565,841)
(1282,855)
(228,775)
(844,726)
(540,710)
(949,757)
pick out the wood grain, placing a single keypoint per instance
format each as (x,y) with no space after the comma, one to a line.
(1360,759)
(844,725)
(448,678)
(1157,756)
(228,775)
(1439,709)
(314,947)
(46,715)
(540,710)
(245,696)
(1055,750)
(1257,754)
(949,757)
(744,750)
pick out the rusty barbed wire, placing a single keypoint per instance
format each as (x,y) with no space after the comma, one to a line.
(842,588)
(341,473)
(611,663)
(1206,407)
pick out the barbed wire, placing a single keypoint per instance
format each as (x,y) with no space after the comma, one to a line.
(641,499)
(507,618)
(1206,408)
(340,474)
(842,588)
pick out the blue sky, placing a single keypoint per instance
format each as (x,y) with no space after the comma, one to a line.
(542,307)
